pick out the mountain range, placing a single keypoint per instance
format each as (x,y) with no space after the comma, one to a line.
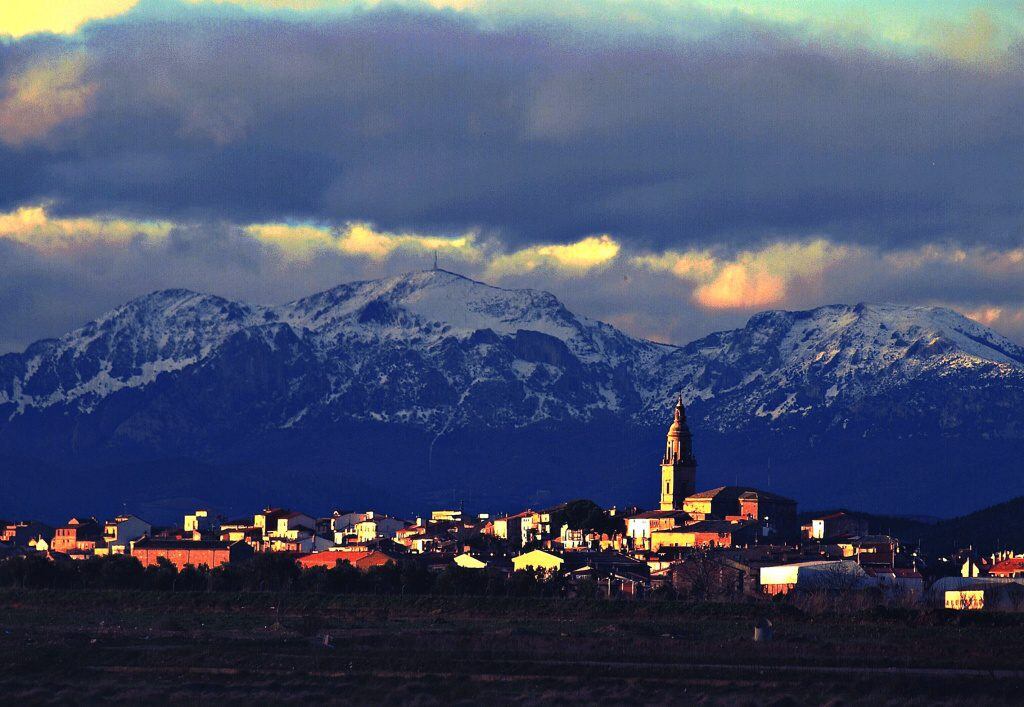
(431,388)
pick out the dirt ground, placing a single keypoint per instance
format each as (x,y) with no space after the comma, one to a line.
(134,647)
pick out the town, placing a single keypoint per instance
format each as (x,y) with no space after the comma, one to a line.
(730,542)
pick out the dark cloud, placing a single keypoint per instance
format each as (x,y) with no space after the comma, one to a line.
(434,123)
(429,121)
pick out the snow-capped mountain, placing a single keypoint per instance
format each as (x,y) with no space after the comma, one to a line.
(448,378)
(431,348)
(825,363)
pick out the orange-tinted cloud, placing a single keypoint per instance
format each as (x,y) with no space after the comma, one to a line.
(305,241)
(751,279)
(43,97)
(34,227)
(571,258)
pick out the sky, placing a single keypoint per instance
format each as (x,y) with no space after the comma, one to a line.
(668,166)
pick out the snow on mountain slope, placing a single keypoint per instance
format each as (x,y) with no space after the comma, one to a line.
(127,347)
(437,350)
(414,348)
(439,304)
(794,363)
(450,350)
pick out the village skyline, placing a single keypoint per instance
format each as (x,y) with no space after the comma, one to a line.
(471,352)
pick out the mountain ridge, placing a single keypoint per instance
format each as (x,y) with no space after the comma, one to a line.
(456,366)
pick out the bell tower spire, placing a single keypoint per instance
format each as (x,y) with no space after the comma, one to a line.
(678,465)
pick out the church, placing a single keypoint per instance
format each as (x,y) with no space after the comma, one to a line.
(719,517)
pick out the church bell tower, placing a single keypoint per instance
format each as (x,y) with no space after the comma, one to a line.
(678,466)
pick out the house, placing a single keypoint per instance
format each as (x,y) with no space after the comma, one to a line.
(580,538)
(705,533)
(640,526)
(774,512)
(377,525)
(78,538)
(548,522)
(408,535)
(278,521)
(240,530)
(581,563)
(511,528)
(529,528)
(714,503)
(833,525)
(21,533)
(972,567)
(198,522)
(343,524)
(362,560)
(470,562)
(298,539)
(1011,567)
(542,560)
(605,564)
(181,553)
(988,593)
(871,550)
(903,581)
(473,561)
(122,530)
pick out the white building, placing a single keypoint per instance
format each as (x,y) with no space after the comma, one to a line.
(199,521)
(122,530)
(640,527)
(833,575)
(376,526)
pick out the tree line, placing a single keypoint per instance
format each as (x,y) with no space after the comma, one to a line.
(275,572)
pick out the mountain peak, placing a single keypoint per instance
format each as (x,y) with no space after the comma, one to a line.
(180,374)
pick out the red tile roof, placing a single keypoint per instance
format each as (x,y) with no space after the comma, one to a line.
(1008,568)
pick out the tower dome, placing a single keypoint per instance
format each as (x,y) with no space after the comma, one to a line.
(679,443)
(678,466)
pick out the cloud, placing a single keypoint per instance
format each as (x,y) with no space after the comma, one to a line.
(1009,319)
(340,5)
(304,242)
(47,94)
(751,279)
(19,18)
(976,39)
(33,226)
(59,271)
(571,259)
(435,123)
(685,163)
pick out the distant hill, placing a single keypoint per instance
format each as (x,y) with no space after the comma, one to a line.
(431,388)
(999,527)
(996,528)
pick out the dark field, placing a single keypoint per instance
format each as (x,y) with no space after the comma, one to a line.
(78,647)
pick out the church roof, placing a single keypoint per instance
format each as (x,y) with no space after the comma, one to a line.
(720,491)
(739,492)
